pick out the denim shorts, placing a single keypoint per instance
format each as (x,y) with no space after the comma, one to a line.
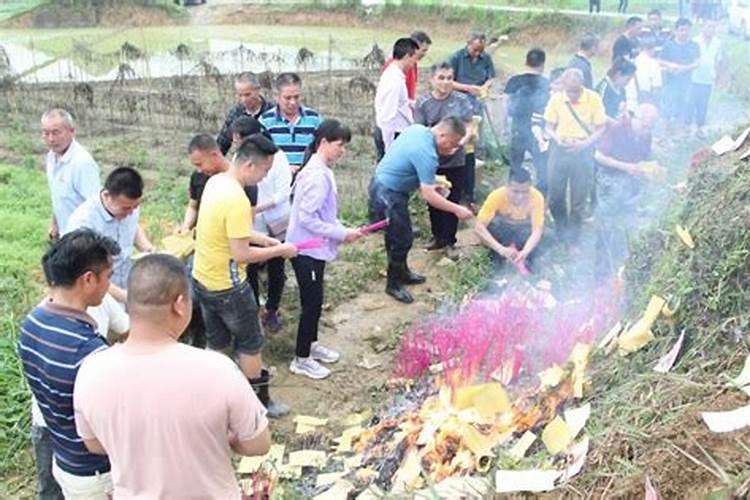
(231,318)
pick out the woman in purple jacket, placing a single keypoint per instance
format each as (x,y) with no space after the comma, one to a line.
(313,215)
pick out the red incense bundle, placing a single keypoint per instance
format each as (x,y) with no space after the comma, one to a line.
(376,226)
(310,244)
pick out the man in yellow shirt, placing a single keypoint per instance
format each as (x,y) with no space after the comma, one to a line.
(511,221)
(223,242)
(575,119)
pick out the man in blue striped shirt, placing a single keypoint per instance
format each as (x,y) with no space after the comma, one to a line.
(55,338)
(291,124)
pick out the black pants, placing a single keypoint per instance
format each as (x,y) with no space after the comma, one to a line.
(444,224)
(470,176)
(276,279)
(595,4)
(623,7)
(522,140)
(309,273)
(377,138)
(395,206)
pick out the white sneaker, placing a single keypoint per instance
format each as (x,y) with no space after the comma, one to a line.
(319,352)
(309,368)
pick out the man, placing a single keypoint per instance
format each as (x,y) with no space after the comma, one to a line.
(679,57)
(189,447)
(709,66)
(443,102)
(619,155)
(72,174)
(655,28)
(114,213)
(223,246)
(645,87)
(291,124)
(527,95)
(581,61)
(612,87)
(511,221)
(251,103)
(595,4)
(575,119)
(393,111)
(55,338)
(622,7)
(626,44)
(408,166)
(412,77)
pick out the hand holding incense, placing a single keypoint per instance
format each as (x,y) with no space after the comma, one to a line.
(310,244)
(375,227)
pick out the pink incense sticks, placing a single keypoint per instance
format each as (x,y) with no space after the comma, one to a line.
(375,227)
(520,266)
(310,244)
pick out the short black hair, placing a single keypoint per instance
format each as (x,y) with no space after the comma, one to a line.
(440,66)
(683,21)
(330,130)
(454,125)
(124,181)
(421,38)
(285,79)
(556,73)
(202,142)
(255,147)
(519,175)
(75,254)
(621,66)
(632,21)
(535,58)
(245,126)
(654,12)
(404,47)
(157,280)
(589,41)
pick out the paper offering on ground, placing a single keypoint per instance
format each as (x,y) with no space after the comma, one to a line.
(340,490)
(576,418)
(522,445)
(741,138)
(307,458)
(577,456)
(557,435)
(248,465)
(535,480)
(727,421)
(666,362)
(611,334)
(742,381)
(723,145)
(311,421)
(329,478)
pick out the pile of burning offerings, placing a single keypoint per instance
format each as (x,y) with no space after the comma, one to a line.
(474,392)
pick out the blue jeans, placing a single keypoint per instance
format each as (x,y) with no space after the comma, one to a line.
(48,489)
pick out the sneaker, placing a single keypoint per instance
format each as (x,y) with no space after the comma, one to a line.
(309,368)
(271,320)
(319,352)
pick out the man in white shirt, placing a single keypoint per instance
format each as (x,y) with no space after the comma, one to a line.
(645,88)
(393,111)
(72,174)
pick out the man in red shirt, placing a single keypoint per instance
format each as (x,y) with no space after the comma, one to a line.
(412,77)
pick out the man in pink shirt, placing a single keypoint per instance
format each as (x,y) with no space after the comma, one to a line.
(168,415)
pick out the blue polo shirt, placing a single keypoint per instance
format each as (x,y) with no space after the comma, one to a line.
(469,71)
(292,138)
(94,215)
(53,343)
(411,160)
(72,179)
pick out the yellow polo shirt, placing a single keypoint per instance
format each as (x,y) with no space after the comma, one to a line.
(590,110)
(498,203)
(225,214)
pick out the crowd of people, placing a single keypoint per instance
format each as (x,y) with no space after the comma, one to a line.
(120,404)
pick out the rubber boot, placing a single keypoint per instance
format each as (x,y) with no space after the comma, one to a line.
(394,286)
(410,278)
(261,387)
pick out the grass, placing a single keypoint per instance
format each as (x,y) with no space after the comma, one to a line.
(12,8)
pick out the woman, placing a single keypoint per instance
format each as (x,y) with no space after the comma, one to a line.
(313,215)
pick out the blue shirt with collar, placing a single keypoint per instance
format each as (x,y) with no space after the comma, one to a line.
(94,215)
(411,160)
(292,138)
(72,178)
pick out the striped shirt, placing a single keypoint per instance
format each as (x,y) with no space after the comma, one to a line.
(53,343)
(292,138)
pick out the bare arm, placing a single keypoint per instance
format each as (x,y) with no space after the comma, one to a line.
(94,446)
(595,136)
(469,89)
(436,200)
(531,244)
(610,162)
(243,253)
(119,294)
(142,242)
(259,445)
(490,242)
(191,216)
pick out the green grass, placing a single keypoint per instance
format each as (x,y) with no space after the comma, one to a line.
(12,8)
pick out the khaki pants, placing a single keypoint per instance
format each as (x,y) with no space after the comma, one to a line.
(98,487)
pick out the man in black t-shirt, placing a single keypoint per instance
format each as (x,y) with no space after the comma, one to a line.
(587,49)
(528,94)
(655,29)
(679,58)
(612,87)
(250,102)
(626,44)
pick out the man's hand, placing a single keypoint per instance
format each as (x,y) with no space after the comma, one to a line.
(476,90)
(288,250)
(54,231)
(463,213)
(509,253)
(353,235)
(633,169)
(270,242)
(520,256)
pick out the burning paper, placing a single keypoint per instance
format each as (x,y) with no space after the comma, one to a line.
(535,480)
(307,458)
(557,435)
(666,362)
(551,377)
(742,381)
(727,421)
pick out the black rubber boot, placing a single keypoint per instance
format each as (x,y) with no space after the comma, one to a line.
(261,387)
(410,278)
(394,286)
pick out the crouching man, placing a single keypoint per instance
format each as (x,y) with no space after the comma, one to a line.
(511,221)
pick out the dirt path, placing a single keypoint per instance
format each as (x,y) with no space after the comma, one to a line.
(364,328)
